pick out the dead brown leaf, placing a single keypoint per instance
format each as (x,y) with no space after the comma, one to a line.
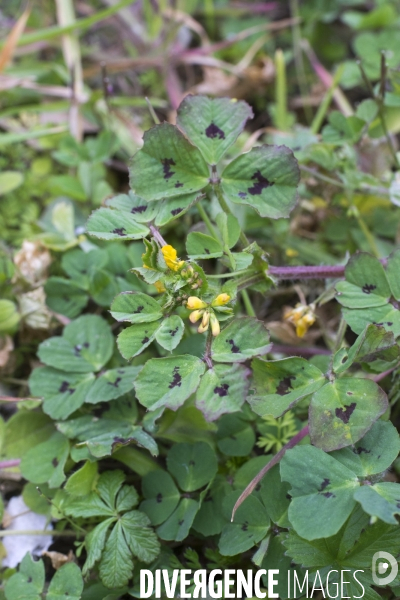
(6,53)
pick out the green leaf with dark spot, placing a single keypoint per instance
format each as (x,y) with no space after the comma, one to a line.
(67,583)
(63,393)
(387,315)
(86,345)
(109,224)
(265,178)
(112,384)
(274,495)
(170,332)
(211,519)
(242,339)
(167,165)
(78,264)
(135,307)
(222,389)
(168,382)
(212,124)
(161,496)
(133,340)
(45,462)
(366,284)
(280,384)
(342,411)
(192,465)
(200,245)
(381,500)
(250,525)
(173,208)
(322,491)
(177,526)
(28,583)
(374,453)
(142,211)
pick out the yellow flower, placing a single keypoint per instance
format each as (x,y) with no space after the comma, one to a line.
(193,302)
(302,316)
(159,287)
(204,323)
(170,256)
(215,328)
(221,300)
(195,315)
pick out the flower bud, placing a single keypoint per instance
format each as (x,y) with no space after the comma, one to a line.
(193,302)
(215,328)
(220,300)
(195,315)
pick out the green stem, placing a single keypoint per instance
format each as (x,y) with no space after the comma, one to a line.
(338,343)
(370,238)
(281,117)
(322,110)
(230,275)
(247,304)
(207,221)
(223,204)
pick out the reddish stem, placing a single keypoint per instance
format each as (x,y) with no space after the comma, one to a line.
(308,272)
(7,464)
(254,482)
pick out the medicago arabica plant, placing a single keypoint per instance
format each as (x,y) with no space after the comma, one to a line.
(203,381)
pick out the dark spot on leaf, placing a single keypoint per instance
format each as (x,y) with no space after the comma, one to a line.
(55,462)
(77,350)
(285,385)
(258,487)
(367,288)
(345,414)
(181,522)
(66,298)
(172,332)
(261,184)
(145,340)
(176,211)
(29,580)
(329,495)
(389,323)
(235,349)
(86,345)
(245,526)
(116,382)
(206,250)
(361,450)
(398,504)
(232,437)
(344,359)
(167,163)
(177,379)
(221,390)
(288,496)
(138,310)
(178,184)
(191,463)
(121,371)
(138,209)
(349,393)
(324,484)
(121,231)
(159,497)
(213,131)
(64,387)
(242,194)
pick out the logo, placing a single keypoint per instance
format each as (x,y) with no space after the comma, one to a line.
(381,561)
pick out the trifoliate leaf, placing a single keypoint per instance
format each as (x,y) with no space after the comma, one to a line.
(133,340)
(242,339)
(135,307)
(342,411)
(366,284)
(170,332)
(45,462)
(280,384)
(168,382)
(222,389)
(177,526)
(85,346)
(112,384)
(381,500)
(212,124)
(67,583)
(142,211)
(173,208)
(63,393)
(211,519)
(374,453)
(65,297)
(78,264)
(322,491)
(161,496)
(167,165)
(265,178)
(109,224)
(192,465)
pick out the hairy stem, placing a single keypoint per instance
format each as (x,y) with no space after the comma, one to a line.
(207,220)
(7,464)
(307,272)
(254,482)
(157,236)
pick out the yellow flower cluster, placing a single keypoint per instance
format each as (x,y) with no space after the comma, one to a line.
(171,258)
(302,316)
(202,310)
